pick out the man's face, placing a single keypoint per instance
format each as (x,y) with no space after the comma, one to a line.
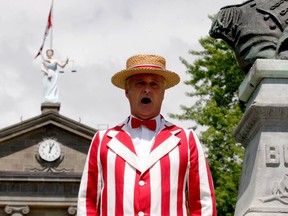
(145,93)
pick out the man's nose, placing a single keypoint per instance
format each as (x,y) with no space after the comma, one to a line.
(147,89)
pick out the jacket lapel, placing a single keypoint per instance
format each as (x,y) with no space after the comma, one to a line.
(121,144)
(165,142)
(273,8)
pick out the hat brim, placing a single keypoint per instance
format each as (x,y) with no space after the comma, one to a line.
(120,77)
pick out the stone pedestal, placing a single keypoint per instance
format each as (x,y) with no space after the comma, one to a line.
(45,107)
(263,131)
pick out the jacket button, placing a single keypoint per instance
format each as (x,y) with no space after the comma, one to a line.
(266,17)
(141,183)
(273,26)
(140,213)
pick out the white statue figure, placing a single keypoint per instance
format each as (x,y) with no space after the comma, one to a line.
(50,77)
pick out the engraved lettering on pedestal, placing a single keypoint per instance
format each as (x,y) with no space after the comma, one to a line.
(17,210)
(272,156)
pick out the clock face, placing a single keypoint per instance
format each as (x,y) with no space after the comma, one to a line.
(49,150)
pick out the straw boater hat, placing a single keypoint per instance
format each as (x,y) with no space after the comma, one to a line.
(145,64)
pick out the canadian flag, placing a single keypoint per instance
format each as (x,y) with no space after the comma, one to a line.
(49,25)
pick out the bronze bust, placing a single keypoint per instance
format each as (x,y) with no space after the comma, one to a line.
(254,29)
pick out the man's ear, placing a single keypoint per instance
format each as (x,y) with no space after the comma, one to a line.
(126,92)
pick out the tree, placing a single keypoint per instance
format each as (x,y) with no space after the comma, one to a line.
(215,78)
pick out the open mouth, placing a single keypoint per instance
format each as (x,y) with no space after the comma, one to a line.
(145,100)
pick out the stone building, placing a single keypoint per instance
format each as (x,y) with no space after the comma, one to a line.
(41,163)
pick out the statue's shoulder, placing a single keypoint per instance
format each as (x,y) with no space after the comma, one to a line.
(238,5)
(227,20)
(229,15)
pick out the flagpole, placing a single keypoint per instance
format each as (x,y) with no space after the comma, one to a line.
(51,34)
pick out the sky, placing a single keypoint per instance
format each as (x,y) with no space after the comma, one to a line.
(98,36)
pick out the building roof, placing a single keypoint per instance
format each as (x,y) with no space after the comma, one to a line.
(49,116)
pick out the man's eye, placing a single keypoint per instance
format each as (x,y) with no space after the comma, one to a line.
(140,83)
(154,85)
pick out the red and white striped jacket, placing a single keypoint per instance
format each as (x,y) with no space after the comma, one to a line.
(175,181)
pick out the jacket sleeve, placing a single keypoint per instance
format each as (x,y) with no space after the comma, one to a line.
(201,197)
(90,186)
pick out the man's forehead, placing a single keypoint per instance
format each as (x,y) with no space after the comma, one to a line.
(147,76)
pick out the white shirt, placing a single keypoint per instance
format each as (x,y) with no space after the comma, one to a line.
(143,139)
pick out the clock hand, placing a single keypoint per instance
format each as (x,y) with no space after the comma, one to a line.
(50,147)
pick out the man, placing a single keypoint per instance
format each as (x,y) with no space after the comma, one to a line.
(146,165)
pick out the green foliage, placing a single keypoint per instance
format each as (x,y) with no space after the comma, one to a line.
(215,78)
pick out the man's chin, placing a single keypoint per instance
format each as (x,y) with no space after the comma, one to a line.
(146,115)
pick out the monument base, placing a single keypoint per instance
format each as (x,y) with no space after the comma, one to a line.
(45,107)
(263,131)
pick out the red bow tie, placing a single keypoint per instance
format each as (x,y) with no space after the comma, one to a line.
(150,124)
